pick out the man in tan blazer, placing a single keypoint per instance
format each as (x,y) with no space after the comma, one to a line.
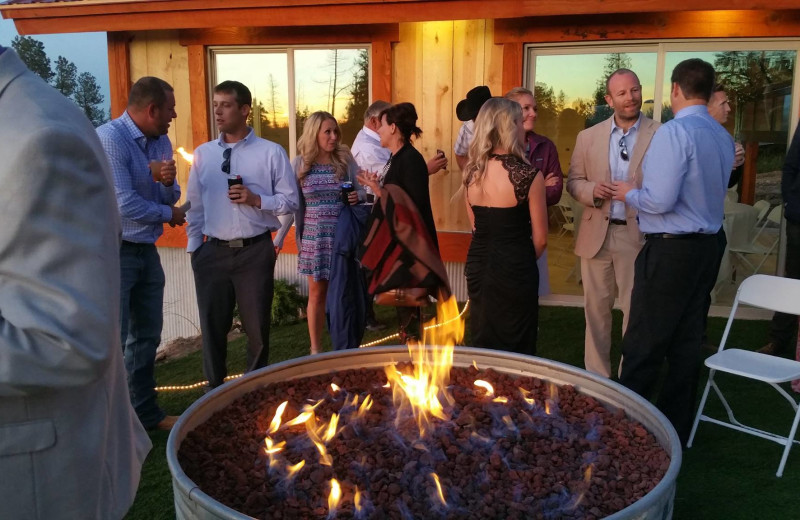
(608,234)
(70,443)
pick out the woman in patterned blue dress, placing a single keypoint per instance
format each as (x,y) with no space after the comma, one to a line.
(322,165)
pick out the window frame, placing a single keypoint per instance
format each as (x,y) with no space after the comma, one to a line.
(214,50)
(661,48)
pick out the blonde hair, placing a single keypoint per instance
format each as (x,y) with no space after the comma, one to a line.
(517,92)
(495,127)
(308,146)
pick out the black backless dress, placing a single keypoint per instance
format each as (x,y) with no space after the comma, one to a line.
(502,277)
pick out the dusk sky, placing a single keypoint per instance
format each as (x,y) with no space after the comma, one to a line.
(88,51)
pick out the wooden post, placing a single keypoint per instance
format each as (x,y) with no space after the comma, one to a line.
(119,71)
(512,65)
(381,70)
(198,90)
(748,181)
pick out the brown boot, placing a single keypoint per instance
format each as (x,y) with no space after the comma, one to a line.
(166,423)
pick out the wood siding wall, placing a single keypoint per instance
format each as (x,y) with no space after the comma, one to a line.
(434,65)
(158,53)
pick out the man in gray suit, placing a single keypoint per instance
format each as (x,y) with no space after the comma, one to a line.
(70,443)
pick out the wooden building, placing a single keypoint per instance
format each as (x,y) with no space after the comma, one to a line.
(431,52)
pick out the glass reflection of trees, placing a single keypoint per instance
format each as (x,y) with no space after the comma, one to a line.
(343,81)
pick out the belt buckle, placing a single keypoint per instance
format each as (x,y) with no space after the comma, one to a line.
(236,243)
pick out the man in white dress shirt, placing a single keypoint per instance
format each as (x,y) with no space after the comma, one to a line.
(237,185)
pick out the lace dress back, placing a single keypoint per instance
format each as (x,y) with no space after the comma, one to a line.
(502,277)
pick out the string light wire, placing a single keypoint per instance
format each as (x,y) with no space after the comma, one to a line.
(201,384)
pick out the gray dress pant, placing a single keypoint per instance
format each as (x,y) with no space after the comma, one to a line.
(225,276)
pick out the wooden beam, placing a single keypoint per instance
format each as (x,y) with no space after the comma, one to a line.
(60,17)
(696,24)
(289,35)
(198,91)
(748,182)
(512,65)
(381,62)
(119,71)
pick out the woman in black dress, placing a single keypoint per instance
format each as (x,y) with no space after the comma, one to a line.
(506,206)
(407,169)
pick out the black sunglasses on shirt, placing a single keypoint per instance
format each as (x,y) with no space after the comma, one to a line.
(226,164)
(623,149)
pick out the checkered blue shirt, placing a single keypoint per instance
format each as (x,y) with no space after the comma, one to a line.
(144,204)
(464,138)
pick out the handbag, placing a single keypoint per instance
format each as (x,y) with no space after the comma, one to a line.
(403,297)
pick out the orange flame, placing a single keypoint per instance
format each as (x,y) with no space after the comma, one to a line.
(291,471)
(186,155)
(526,396)
(335,387)
(431,374)
(500,399)
(324,457)
(485,385)
(276,421)
(330,432)
(334,497)
(439,488)
(272,449)
(357,500)
(365,405)
(304,417)
(480,438)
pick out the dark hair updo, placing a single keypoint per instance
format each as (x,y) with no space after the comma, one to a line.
(404,116)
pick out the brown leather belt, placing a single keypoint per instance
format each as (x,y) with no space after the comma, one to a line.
(618,222)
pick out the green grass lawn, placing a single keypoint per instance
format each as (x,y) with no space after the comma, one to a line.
(726,475)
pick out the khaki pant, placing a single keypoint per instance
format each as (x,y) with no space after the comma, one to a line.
(608,273)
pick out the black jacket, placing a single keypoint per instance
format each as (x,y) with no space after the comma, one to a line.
(790,182)
(409,171)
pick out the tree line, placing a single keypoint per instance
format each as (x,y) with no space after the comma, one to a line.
(63,76)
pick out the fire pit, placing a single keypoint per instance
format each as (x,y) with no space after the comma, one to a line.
(193,503)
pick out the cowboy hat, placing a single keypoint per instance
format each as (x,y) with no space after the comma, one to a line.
(467,109)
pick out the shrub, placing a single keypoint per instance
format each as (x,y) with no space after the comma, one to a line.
(287,304)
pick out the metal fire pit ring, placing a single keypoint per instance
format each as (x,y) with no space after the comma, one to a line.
(191,503)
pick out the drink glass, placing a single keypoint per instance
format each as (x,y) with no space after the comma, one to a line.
(347,189)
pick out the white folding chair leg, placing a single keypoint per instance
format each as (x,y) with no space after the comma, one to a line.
(789,441)
(731,417)
(700,409)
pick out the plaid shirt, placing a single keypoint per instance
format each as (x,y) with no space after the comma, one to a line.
(464,138)
(144,205)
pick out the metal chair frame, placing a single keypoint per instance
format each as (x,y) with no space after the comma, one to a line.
(767,292)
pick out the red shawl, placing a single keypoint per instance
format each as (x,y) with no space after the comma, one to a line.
(398,252)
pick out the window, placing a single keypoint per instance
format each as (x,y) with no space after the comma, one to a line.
(569,84)
(288,84)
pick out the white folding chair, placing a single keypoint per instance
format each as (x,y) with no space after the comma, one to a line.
(762,206)
(766,292)
(755,246)
(567,214)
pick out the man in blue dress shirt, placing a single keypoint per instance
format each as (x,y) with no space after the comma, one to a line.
(140,154)
(680,204)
